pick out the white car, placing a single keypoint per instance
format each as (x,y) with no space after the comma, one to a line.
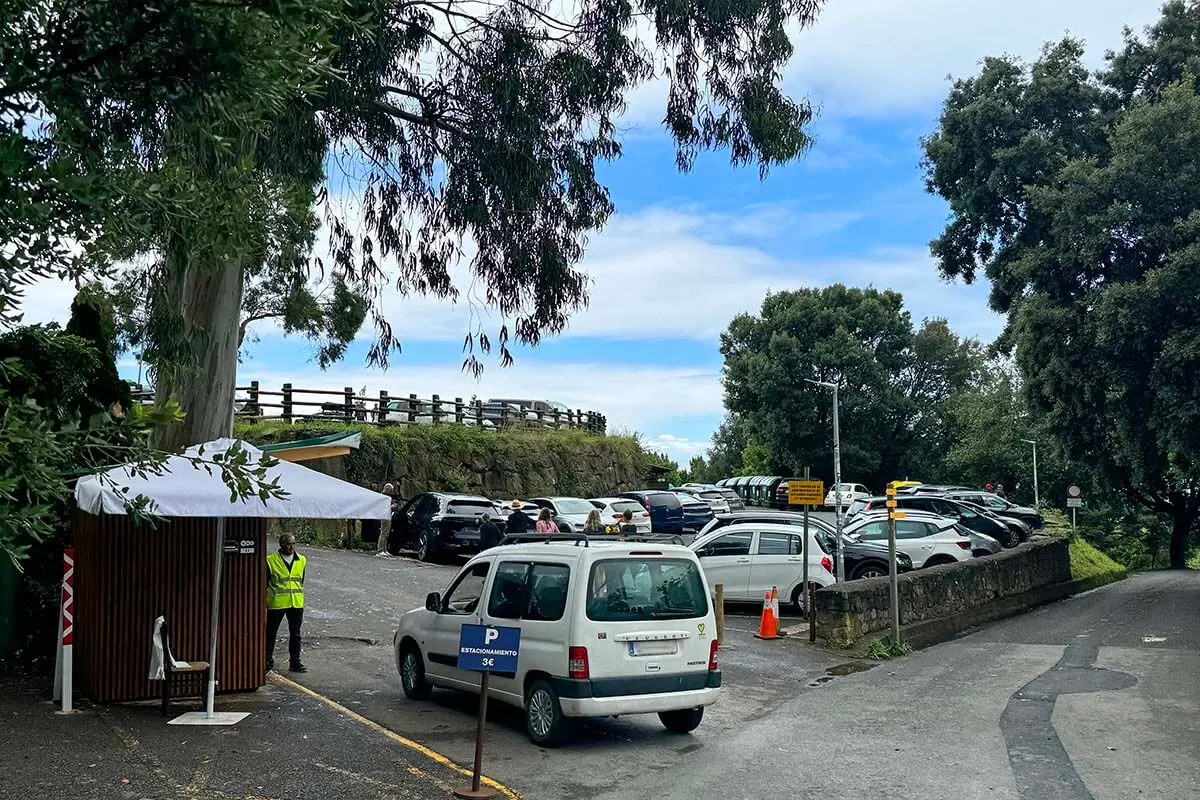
(612,510)
(751,557)
(929,540)
(607,629)
(571,510)
(715,499)
(850,493)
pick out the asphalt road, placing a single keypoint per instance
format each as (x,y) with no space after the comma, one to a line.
(1092,698)
(353,602)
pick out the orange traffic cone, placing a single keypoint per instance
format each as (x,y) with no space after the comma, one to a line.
(768,626)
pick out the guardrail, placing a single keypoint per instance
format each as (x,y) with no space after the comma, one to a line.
(293,404)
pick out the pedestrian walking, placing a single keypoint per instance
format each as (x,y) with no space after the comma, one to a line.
(544,523)
(1000,491)
(518,520)
(592,525)
(489,533)
(285,598)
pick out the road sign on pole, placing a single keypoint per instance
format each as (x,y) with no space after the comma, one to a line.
(806,492)
(1074,502)
(1073,491)
(485,649)
(893,576)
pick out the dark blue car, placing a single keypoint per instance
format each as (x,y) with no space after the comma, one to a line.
(696,512)
(666,512)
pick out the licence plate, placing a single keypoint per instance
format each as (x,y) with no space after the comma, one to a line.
(654,648)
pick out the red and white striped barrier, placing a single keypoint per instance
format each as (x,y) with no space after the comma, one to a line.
(66,626)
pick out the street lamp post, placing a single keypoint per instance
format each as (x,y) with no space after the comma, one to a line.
(1035,478)
(837,477)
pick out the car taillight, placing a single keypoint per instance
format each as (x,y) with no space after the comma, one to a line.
(827,563)
(577,663)
(712,656)
(964,545)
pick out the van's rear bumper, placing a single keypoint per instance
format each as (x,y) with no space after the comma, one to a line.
(640,695)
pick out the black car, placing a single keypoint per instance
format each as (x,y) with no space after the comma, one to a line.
(862,559)
(975,518)
(1002,507)
(434,523)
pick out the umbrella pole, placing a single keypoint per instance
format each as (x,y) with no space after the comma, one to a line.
(216,613)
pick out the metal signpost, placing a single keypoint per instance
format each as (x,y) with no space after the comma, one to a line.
(807,493)
(485,649)
(1074,501)
(837,477)
(893,577)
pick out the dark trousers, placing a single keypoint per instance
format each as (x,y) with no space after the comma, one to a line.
(295,616)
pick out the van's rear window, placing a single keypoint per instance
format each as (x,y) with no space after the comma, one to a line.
(636,590)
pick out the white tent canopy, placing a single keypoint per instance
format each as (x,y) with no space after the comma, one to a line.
(183,490)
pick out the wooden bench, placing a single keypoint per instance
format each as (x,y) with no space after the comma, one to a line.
(170,671)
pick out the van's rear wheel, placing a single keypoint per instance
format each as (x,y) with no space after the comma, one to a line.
(544,719)
(684,721)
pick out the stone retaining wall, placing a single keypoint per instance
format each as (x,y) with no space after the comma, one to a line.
(853,613)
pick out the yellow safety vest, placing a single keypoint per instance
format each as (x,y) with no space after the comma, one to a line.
(285,588)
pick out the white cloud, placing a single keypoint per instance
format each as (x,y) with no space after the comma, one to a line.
(679,448)
(869,57)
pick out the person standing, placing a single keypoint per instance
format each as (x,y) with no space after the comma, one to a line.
(285,598)
(592,525)
(518,521)
(1000,491)
(544,523)
(489,533)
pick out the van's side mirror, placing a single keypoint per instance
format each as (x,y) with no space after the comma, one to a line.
(433,602)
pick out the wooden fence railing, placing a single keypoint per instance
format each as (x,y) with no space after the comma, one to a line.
(294,404)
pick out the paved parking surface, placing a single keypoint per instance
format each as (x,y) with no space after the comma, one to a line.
(353,602)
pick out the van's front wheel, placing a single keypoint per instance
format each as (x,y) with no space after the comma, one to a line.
(543,716)
(684,721)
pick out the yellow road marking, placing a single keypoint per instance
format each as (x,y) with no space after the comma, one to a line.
(429,753)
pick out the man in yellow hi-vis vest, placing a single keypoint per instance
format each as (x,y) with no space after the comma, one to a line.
(285,598)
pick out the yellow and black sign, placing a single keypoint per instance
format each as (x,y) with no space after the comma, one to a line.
(806,493)
(896,514)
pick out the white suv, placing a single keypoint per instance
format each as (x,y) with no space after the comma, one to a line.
(607,628)
(751,557)
(927,539)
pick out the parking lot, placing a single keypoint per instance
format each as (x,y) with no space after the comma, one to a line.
(353,601)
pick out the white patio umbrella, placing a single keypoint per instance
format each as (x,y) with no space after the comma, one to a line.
(184,490)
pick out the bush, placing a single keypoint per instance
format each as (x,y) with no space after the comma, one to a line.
(1088,562)
(512,463)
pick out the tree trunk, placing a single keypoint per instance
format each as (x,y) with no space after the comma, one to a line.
(1183,521)
(210,304)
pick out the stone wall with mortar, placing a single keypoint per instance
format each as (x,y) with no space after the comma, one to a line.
(851,612)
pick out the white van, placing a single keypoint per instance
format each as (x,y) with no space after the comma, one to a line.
(607,628)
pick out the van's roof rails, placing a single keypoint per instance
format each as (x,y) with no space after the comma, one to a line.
(518,538)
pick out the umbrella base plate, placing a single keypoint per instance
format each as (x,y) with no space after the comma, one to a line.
(217,718)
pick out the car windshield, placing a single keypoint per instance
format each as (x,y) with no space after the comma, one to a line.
(643,589)
(569,505)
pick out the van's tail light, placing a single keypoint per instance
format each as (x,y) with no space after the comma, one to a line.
(712,656)
(577,663)
(963,544)
(827,563)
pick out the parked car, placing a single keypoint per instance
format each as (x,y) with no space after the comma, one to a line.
(928,541)
(850,493)
(1001,506)
(749,558)
(571,510)
(973,517)
(536,411)
(932,488)
(715,498)
(610,629)
(862,559)
(434,523)
(981,544)
(696,512)
(666,512)
(612,511)
(736,503)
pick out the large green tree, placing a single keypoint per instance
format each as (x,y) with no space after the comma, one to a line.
(893,381)
(460,134)
(1078,196)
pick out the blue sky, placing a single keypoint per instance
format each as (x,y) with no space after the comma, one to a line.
(686,252)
